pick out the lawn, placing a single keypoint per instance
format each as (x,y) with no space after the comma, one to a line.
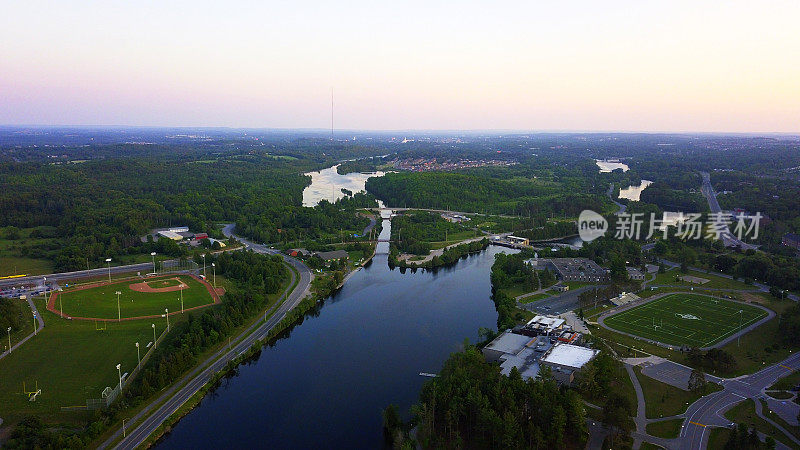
(668,429)
(101,301)
(714,281)
(535,297)
(664,400)
(745,412)
(686,319)
(71,361)
(10,265)
(788,382)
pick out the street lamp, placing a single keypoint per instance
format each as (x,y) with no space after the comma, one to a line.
(153,254)
(138,358)
(9,339)
(44,283)
(214,269)
(119,314)
(181,297)
(166,310)
(119,371)
(204,265)
(154,335)
(35,328)
(108,260)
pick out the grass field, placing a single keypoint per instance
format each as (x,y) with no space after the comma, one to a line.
(714,281)
(101,302)
(668,429)
(71,361)
(686,319)
(664,400)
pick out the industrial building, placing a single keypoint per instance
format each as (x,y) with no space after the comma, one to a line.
(565,360)
(543,340)
(571,269)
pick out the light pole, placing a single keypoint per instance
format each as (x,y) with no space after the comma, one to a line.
(153,254)
(214,269)
(166,310)
(181,297)
(138,358)
(123,427)
(739,338)
(108,260)
(119,314)
(154,335)
(35,328)
(9,339)
(119,371)
(44,283)
(204,265)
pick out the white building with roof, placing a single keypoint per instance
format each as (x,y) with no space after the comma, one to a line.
(566,359)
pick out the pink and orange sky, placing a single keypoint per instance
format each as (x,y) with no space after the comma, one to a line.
(576,65)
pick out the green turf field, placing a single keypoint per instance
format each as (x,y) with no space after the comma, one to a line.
(686,319)
(101,302)
(71,361)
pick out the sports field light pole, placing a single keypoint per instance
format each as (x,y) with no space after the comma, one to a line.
(166,310)
(204,265)
(181,297)
(108,260)
(9,339)
(138,358)
(214,268)
(153,254)
(35,328)
(119,371)
(154,336)
(739,338)
(119,314)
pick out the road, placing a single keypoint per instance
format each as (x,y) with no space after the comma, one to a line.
(557,304)
(39,326)
(610,194)
(725,233)
(63,276)
(709,410)
(176,396)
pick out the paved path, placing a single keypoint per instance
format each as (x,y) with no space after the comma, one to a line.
(438,252)
(640,419)
(179,393)
(39,326)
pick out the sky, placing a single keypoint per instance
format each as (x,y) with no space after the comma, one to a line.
(717,66)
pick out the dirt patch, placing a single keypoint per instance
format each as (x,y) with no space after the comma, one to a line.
(145,287)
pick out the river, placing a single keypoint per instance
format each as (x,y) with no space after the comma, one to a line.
(325,385)
(327,184)
(633,193)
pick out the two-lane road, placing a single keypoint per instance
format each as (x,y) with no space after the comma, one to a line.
(176,396)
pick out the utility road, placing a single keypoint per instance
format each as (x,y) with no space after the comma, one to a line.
(182,391)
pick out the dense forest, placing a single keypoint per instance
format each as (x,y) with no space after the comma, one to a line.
(470,405)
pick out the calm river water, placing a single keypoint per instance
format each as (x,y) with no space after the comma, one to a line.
(325,385)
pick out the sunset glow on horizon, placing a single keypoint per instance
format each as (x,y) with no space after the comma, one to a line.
(577,66)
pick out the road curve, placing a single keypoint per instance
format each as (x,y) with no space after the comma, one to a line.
(174,397)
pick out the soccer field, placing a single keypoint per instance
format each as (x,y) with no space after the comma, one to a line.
(139,297)
(685,319)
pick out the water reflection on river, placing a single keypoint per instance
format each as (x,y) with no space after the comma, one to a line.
(327,184)
(325,385)
(633,193)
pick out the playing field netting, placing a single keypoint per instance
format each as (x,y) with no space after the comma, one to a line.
(685,319)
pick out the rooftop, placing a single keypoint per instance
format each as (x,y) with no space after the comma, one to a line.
(569,355)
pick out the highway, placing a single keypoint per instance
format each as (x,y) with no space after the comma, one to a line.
(725,233)
(182,391)
(63,276)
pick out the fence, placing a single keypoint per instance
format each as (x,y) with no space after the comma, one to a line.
(109,395)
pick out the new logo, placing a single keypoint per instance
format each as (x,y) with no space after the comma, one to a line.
(591,225)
